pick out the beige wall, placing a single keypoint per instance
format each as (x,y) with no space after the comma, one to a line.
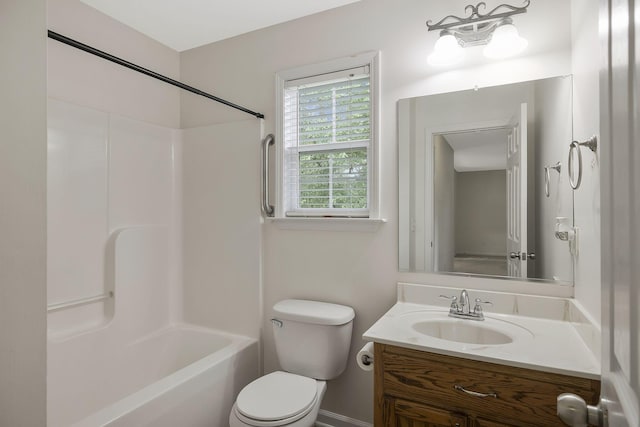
(221,224)
(23,151)
(553,113)
(354,268)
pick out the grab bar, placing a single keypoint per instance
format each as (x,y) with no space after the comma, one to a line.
(267,209)
(592,144)
(76,302)
(557,167)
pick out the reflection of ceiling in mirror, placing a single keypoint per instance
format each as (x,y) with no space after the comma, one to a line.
(479,150)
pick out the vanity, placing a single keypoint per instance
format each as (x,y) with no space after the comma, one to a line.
(434,370)
(484,202)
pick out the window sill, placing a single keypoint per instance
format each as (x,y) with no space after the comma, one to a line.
(328,224)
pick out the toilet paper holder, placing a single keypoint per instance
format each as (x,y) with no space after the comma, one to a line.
(366,359)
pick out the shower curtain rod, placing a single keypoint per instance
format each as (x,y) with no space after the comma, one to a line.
(135,67)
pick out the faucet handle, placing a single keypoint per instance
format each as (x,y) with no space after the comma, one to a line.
(478,307)
(453,299)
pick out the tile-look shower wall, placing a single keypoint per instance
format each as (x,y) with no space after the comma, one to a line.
(113,200)
(77,201)
(105,173)
(85,372)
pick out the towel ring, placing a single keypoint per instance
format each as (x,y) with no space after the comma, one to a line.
(592,144)
(547,176)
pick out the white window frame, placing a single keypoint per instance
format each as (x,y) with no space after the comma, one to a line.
(370,59)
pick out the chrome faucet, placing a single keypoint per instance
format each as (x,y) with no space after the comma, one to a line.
(464,302)
(461,308)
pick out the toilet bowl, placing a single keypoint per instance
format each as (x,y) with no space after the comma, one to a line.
(278,399)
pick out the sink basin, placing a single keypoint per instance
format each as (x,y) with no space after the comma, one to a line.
(436,324)
(462,331)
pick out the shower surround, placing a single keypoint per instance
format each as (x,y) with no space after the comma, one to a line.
(119,343)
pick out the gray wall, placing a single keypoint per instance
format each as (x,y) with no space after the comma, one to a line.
(481,213)
(445,192)
(23,157)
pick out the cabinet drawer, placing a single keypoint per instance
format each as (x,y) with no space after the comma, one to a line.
(516,396)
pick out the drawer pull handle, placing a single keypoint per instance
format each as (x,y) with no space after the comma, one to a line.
(474,393)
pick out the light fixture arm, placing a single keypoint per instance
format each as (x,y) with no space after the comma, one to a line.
(475,16)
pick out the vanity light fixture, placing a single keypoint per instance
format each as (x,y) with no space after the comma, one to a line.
(494,30)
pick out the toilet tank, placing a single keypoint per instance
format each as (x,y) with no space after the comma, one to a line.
(312,338)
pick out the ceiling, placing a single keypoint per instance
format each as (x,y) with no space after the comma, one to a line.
(479,150)
(185,24)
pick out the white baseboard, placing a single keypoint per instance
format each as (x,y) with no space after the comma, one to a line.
(329,419)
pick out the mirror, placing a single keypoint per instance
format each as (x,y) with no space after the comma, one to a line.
(483,185)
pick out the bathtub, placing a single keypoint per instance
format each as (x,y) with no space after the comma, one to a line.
(179,376)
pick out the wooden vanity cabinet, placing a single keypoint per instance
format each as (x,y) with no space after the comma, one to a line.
(421,389)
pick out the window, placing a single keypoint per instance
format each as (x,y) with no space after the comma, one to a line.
(327,144)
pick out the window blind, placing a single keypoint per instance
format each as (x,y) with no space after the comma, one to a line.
(327,138)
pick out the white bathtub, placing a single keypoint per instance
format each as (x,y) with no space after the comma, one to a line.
(180,376)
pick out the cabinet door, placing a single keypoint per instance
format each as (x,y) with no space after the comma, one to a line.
(412,414)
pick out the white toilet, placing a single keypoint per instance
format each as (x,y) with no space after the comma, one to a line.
(312,343)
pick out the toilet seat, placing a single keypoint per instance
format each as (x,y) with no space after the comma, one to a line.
(278,398)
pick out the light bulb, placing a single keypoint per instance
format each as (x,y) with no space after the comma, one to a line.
(447,51)
(505,42)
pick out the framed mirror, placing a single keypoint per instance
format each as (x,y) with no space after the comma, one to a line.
(483,185)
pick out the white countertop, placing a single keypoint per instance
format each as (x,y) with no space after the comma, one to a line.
(543,344)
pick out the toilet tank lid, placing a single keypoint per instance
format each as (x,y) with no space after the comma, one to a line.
(320,313)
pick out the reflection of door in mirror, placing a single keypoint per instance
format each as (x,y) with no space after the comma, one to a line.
(517,213)
(463,208)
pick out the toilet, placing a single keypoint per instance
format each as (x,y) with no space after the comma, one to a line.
(312,341)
